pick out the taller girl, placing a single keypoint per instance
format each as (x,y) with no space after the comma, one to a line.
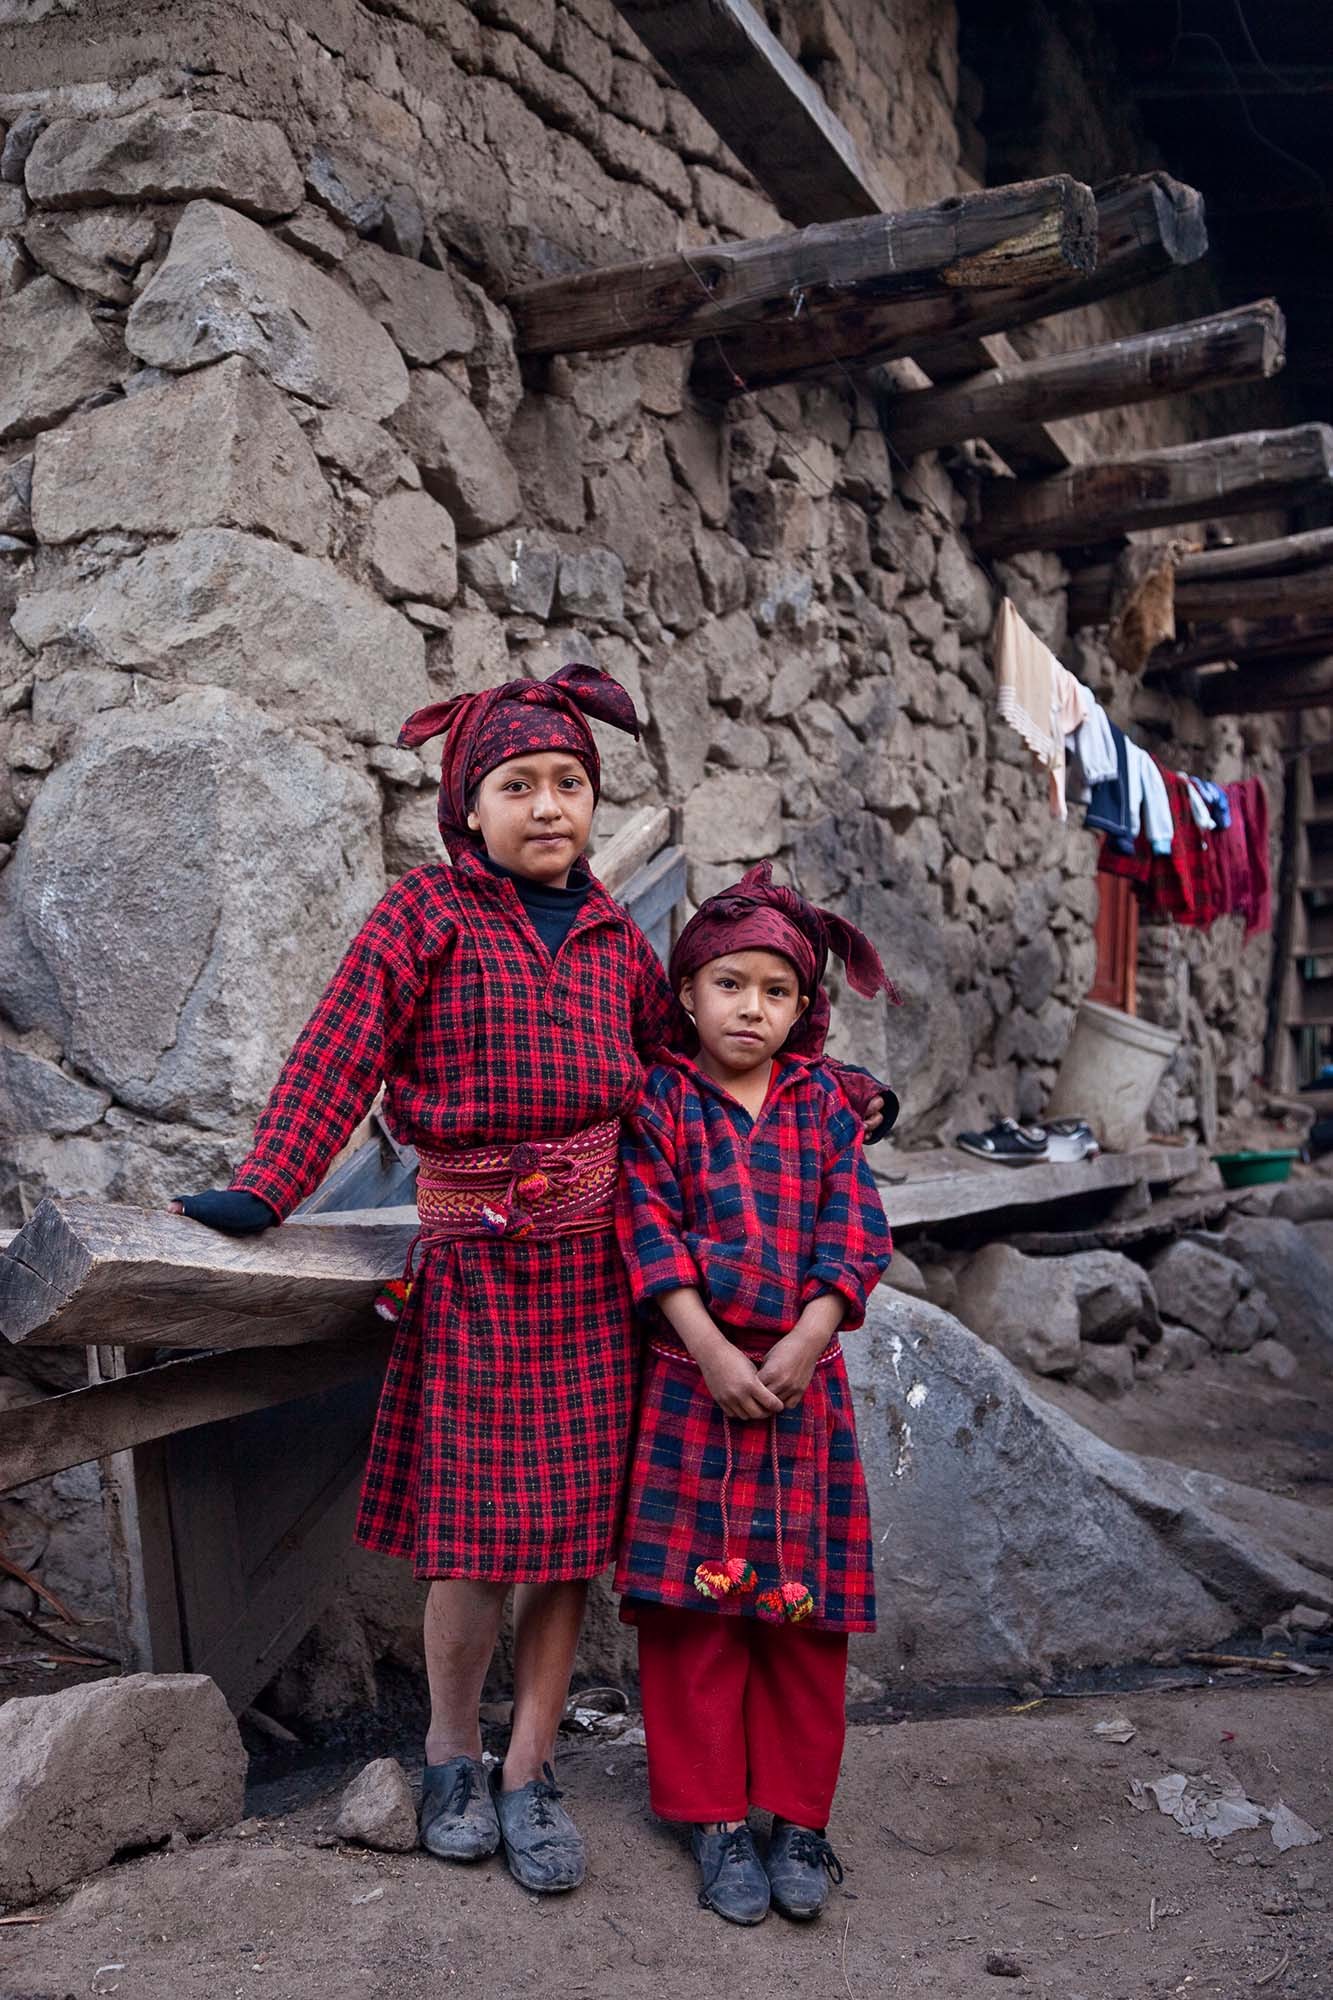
(506,1004)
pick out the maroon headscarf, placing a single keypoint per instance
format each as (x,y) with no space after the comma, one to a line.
(515,720)
(760,914)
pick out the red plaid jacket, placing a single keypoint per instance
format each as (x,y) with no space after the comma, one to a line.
(448,997)
(761,1215)
(1187,883)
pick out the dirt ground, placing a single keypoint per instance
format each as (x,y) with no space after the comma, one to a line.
(1009,1833)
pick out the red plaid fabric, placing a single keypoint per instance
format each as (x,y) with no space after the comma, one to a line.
(762,1216)
(501,1436)
(1187,883)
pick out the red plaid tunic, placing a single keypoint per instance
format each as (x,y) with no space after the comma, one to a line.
(1188,882)
(499,1447)
(762,1216)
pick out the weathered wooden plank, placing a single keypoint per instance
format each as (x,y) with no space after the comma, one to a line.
(140,1541)
(38,1439)
(1286,555)
(1192,482)
(630,846)
(944,1187)
(771,114)
(1239,640)
(1144,227)
(1266,690)
(829,276)
(80,1272)
(1239,346)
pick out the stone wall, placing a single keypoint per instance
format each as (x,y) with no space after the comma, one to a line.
(270,476)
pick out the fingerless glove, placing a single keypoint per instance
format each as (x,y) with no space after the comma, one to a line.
(231,1210)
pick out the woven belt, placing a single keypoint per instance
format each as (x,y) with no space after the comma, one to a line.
(539,1188)
(755,1354)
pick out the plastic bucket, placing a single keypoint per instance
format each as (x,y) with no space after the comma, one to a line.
(1111,1068)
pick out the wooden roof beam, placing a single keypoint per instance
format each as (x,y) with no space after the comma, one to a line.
(1260,690)
(1290,635)
(1192,482)
(825,277)
(1241,346)
(1145,225)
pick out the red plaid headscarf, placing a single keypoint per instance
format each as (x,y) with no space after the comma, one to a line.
(515,720)
(760,914)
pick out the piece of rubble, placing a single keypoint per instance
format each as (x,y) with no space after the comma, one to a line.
(1304,1618)
(157,155)
(110,1765)
(377,1809)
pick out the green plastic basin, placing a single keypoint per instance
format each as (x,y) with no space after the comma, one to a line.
(1249,1169)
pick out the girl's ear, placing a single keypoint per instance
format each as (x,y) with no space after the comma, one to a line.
(686,996)
(802,1004)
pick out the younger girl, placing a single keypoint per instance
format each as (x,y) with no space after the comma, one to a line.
(753,1234)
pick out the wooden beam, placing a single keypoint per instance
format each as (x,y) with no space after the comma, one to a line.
(827,278)
(760,100)
(37,1439)
(1241,346)
(1217,82)
(1262,690)
(763,105)
(1090,588)
(1300,593)
(84,1272)
(1246,473)
(1145,226)
(620,858)
(1240,639)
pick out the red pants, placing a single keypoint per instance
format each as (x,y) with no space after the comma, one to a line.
(740,1713)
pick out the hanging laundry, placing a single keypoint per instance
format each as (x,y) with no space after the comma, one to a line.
(1094,744)
(1149,806)
(1249,804)
(1198,805)
(1182,879)
(1215,798)
(1108,799)
(1072,702)
(1025,682)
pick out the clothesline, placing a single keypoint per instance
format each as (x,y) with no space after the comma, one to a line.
(1194,850)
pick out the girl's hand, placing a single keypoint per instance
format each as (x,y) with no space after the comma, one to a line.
(735,1384)
(790,1362)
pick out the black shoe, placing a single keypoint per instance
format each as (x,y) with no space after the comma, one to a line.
(731,1876)
(1009,1144)
(1070,1139)
(457,1819)
(542,1844)
(800,1864)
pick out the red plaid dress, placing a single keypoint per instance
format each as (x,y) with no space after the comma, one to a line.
(762,1216)
(1187,882)
(500,1443)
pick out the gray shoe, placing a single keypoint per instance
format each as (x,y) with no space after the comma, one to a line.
(542,1844)
(457,1818)
(800,1865)
(731,1875)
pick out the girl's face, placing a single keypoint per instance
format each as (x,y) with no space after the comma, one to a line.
(534,814)
(745,1005)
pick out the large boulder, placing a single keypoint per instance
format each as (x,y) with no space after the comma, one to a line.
(185,884)
(217,448)
(1008,1538)
(108,1766)
(238,611)
(165,155)
(1028,1307)
(411,549)
(51,356)
(418,306)
(36,1095)
(97,250)
(1304,1201)
(225,287)
(1199,1286)
(1280,1258)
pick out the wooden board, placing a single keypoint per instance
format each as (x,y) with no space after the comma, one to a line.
(1216,578)
(81,1272)
(840,277)
(38,1439)
(1297,636)
(947,1185)
(1238,346)
(1268,689)
(1190,482)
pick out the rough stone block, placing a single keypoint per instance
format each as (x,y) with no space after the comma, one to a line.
(377,1809)
(733,816)
(158,155)
(698,445)
(459,460)
(20,139)
(363,450)
(591,584)
(15,269)
(513,572)
(185,884)
(225,287)
(1104,1372)
(546,445)
(110,1765)
(1025,1306)
(51,357)
(235,611)
(1115,1296)
(411,549)
(1182,1349)
(344,190)
(214,448)
(36,1095)
(1199,1287)
(314,234)
(98,251)
(420,307)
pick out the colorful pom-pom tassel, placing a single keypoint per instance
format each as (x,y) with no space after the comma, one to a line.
(532,1186)
(391,1299)
(743,1574)
(711,1580)
(769,1605)
(797,1603)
